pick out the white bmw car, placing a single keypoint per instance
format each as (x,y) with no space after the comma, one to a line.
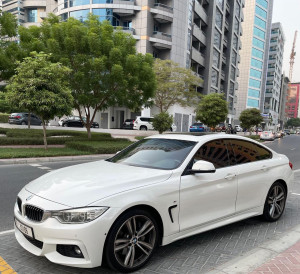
(156,191)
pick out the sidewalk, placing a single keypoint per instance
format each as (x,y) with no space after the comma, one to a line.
(281,255)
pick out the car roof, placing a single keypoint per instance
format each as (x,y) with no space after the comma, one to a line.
(197,137)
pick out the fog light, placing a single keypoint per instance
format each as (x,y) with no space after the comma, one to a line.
(77,250)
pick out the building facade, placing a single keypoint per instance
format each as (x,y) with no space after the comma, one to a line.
(203,35)
(283,99)
(292,104)
(254,55)
(273,84)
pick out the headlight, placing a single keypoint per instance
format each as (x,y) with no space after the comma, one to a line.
(78,215)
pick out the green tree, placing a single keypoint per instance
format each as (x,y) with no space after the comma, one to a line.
(293,122)
(162,122)
(212,109)
(106,69)
(250,117)
(8,25)
(41,87)
(175,85)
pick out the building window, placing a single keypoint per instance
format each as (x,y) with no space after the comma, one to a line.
(32,15)
(252,103)
(235,41)
(64,16)
(219,19)
(220,3)
(66,2)
(189,39)
(261,12)
(80,15)
(253,93)
(233,57)
(237,9)
(257,53)
(255,73)
(102,1)
(232,73)
(107,14)
(231,88)
(260,23)
(256,63)
(254,83)
(217,39)
(214,78)
(258,43)
(259,33)
(236,25)
(216,58)
(263,3)
(74,3)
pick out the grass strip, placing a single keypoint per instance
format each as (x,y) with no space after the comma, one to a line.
(7,153)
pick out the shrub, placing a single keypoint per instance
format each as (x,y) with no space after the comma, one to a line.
(4,117)
(162,122)
(103,147)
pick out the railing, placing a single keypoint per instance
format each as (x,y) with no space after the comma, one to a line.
(162,34)
(125,29)
(159,5)
(226,24)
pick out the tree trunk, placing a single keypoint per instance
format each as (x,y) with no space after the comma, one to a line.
(88,128)
(45,136)
(29,120)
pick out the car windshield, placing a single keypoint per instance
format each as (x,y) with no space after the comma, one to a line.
(155,153)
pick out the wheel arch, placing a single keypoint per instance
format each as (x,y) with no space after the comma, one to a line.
(283,183)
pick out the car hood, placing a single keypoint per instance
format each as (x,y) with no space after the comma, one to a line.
(81,185)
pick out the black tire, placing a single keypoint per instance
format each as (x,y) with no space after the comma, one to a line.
(116,259)
(65,125)
(143,128)
(23,123)
(275,202)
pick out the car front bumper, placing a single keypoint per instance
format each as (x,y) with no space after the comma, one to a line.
(89,237)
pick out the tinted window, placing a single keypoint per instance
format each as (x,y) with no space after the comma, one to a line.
(144,119)
(231,155)
(214,152)
(246,152)
(155,153)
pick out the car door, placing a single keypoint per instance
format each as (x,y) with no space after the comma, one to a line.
(205,197)
(254,173)
(33,120)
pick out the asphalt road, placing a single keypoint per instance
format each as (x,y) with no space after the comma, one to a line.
(14,177)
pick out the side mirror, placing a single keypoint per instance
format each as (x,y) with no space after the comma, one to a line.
(202,167)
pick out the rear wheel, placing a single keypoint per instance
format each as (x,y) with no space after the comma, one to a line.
(275,202)
(23,123)
(143,128)
(65,125)
(131,241)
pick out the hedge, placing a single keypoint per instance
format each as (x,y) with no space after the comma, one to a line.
(104,147)
(4,117)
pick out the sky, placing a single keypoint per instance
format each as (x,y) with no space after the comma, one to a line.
(287,12)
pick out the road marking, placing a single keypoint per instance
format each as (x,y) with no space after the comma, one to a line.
(44,167)
(296,194)
(7,232)
(5,267)
(293,148)
(35,165)
(297,170)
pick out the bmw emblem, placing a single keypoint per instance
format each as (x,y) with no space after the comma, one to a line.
(29,198)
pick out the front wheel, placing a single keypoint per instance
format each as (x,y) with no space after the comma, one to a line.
(131,241)
(65,125)
(275,202)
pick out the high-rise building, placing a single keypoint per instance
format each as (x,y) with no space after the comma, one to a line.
(29,12)
(254,55)
(273,84)
(282,118)
(292,104)
(200,34)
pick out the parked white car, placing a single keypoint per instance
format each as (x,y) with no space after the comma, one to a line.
(156,191)
(145,123)
(267,135)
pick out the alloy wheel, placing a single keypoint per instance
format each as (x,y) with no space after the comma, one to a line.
(276,201)
(135,241)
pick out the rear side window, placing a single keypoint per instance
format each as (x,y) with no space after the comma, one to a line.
(144,119)
(246,152)
(214,152)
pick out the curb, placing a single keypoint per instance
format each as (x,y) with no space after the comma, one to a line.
(54,159)
(253,259)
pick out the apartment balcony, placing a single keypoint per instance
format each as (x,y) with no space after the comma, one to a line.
(199,34)
(34,3)
(227,24)
(224,59)
(198,57)
(43,15)
(223,75)
(126,29)
(161,40)
(126,8)
(201,77)
(227,7)
(225,42)
(201,12)
(162,13)
(236,85)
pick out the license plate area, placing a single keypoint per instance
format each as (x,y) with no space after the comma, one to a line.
(25,229)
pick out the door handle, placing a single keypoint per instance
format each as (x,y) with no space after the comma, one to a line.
(229,176)
(264,168)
